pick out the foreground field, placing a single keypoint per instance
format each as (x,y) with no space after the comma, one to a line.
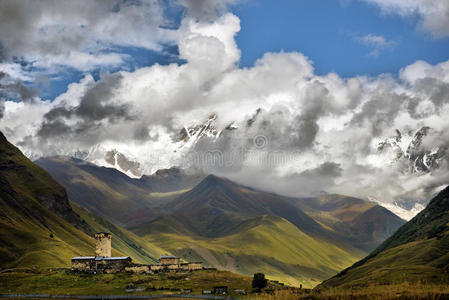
(374,292)
(63,281)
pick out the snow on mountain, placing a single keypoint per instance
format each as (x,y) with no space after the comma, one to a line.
(409,151)
(137,160)
(406,214)
(189,136)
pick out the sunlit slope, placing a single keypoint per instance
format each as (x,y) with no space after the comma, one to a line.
(266,244)
(32,208)
(417,252)
(37,224)
(361,223)
(124,241)
(33,236)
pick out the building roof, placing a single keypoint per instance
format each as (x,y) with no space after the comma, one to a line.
(116,258)
(84,257)
(111,258)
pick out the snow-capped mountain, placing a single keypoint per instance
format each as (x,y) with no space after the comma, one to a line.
(398,209)
(129,159)
(189,136)
(409,151)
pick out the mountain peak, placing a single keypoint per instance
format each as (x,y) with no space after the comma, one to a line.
(212,181)
(212,178)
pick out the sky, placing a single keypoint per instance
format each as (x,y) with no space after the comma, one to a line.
(342,96)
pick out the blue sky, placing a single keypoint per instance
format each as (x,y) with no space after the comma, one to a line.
(332,33)
(329,33)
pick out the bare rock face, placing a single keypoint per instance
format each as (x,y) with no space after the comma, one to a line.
(412,154)
(192,134)
(117,159)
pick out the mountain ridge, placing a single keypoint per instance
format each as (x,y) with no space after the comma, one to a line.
(416,252)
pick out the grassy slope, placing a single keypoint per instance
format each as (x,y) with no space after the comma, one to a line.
(62,282)
(124,241)
(418,261)
(417,252)
(363,224)
(269,244)
(25,241)
(37,223)
(30,231)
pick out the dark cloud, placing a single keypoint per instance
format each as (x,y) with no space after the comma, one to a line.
(327,169)
(79,34)
(94,108)
(14,89)
(305,127)
(435,89)
(2,107)
(205,10)
(380,111)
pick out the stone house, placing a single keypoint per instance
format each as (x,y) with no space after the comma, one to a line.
(169,260)
(103,262)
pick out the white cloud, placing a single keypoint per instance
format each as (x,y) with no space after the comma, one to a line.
(15,71)
(433,14)
(377,42)
(322,132)
(76,33)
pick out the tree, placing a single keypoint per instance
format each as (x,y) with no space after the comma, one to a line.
(259,281)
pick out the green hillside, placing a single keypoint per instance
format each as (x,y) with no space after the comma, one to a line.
(266,244)
(225,224)
(365,225)
(37,224)
(417,252)
(124,241)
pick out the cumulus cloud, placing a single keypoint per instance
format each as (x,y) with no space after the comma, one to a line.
(433,14)
(277,125)
(79,34)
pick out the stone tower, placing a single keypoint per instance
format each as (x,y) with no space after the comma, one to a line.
(103,244)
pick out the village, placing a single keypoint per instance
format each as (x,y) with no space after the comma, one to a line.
(103,262)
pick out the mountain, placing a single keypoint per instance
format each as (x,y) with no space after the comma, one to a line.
(40,227)
(234,227)
(222,203)
(37,223)
(411,151)
(417,252)
(189,136)
(363,224)
(110,193)
(198,217)
(268,244)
